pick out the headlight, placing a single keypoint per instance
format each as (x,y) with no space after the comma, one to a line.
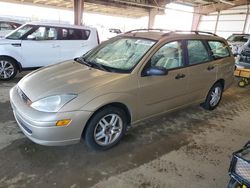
(52,103)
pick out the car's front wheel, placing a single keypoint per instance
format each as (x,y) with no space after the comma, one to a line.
(8,68)
(106,128)
(213,97)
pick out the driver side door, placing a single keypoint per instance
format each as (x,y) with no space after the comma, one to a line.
(165,92)
(40,48)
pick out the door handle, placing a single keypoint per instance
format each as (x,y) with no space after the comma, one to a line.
(16,44)
(211,67)
(180,76)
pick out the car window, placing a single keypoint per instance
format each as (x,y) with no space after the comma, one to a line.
(168,56)
(20,32)
(39,34)
(52,34)
(15,25)
(45,33)
(219,49)
(74,34)
(5,26)
(197,52)
(238,38)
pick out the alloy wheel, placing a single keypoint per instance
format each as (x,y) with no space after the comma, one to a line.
(6,69)
(215,96)
(108,129)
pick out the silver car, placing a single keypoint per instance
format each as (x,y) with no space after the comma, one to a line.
(124,80)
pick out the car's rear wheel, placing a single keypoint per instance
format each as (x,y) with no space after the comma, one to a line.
(8,68)
(213,97)
(106,128)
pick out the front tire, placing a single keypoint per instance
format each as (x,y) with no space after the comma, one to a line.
(106,128)
(8,68)
(213,97)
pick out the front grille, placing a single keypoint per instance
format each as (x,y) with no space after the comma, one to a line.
(24,97)
(242,169)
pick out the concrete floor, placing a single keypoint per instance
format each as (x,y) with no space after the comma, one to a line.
(188,148)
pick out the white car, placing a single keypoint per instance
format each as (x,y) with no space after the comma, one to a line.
(36,45)
(7,26)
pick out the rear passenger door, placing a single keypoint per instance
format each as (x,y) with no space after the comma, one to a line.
(73,43)
(202,68)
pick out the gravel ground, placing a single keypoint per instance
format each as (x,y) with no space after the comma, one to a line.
(189,148)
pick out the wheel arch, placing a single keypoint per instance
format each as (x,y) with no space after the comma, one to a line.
(221,81)
(19,66)
(112,104)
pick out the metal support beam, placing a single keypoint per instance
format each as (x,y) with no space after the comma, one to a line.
(151,17)
(78,10)
(217,20)
(246,19)
(206,9)
(196,21)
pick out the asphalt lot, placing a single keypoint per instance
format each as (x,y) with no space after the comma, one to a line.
(187,148)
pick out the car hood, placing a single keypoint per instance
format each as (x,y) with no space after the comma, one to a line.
(4,41)
(63,78)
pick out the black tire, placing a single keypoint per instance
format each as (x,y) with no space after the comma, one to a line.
(93,125)
(233,184)
(9,62)
(207,104)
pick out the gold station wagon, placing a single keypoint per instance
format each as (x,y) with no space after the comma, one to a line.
(126,79)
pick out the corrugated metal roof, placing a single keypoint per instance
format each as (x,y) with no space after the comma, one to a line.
(128,8)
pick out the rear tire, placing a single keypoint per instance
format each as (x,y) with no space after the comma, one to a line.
(8,68)
(213,97)
(106,128)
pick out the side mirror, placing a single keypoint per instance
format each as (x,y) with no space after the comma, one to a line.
(31,37)
(155,71)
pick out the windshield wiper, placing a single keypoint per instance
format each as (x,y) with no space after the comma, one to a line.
(82,61)
(91,64)
(98,65)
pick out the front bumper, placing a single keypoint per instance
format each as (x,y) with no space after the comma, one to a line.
(40,127)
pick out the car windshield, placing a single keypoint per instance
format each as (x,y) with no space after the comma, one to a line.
(120,54)
(238,38)
(18,33)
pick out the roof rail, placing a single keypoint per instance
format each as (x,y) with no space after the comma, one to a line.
(170,31)
(196,32)
(150,29)
(204,32)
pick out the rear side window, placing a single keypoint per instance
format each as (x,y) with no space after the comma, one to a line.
(219,49)
(197,52)
(74,34)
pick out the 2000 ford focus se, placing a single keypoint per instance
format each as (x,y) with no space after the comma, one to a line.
(124,80)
